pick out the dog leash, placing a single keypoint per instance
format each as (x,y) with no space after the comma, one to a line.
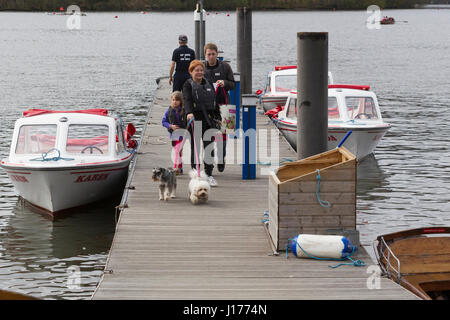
(195,146)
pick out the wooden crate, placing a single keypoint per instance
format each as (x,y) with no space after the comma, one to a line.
(293,204)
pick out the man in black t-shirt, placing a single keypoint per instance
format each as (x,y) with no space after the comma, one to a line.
(181,58)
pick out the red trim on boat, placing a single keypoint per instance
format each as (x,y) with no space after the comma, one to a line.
(278,68)
(286,129)
(112,161)
(13,164)
(97,171)
(349,86)
(274,99)
(17,172)
(37,112)
(434,230)
(289,123)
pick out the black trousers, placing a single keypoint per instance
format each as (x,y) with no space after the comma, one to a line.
(208,156)
(178,81)
(222,152)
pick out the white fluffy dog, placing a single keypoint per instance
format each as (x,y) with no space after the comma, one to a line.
(198,187)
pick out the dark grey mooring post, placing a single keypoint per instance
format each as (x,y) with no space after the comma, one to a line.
(199,23)
(312,93)
(244,48)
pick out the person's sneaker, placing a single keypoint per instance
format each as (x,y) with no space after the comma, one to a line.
(221,167)
(212,181)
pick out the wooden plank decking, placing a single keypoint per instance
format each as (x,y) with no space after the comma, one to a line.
(174,250)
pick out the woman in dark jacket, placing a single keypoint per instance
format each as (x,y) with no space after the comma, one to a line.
(199,104)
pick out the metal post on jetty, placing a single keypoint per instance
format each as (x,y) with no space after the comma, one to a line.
(249,137)
(244,48)
(312,93)
(199,24)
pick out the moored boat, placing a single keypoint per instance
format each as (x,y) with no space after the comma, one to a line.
(350,107)
(64,159)
(418,259)
(387,20)
(10,295)
(279,82)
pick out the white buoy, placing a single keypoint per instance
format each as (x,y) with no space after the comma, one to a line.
(321,246)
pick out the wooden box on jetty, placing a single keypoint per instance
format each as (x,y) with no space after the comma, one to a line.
(293,202)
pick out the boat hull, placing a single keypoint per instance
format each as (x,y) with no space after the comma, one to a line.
(57,189)
(361,142)
(270,102)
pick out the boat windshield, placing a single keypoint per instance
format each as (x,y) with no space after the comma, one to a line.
(333,109)
(87,139)
(361,108)
(285,83)
(36,139)
(292,110)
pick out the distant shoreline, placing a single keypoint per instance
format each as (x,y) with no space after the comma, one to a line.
(209,5)
(213,11)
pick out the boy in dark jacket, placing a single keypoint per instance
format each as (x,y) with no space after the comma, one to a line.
(221,75)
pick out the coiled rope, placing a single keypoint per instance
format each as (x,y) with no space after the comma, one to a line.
(57,158)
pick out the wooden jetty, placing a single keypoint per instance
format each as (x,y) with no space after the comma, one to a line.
(174,250)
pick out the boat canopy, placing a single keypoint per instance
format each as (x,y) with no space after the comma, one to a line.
(349,86)
(348,104)
(37,112)
(283,79)
(277,68)
(343,86)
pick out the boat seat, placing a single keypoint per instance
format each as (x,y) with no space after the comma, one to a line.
(422,255)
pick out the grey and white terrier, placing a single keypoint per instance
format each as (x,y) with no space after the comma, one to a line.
(167,182)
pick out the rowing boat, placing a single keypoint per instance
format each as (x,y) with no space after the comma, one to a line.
(418,259)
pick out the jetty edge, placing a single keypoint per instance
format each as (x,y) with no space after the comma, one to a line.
(221,251)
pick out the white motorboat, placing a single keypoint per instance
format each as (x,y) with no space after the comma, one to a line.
(279,82)
(64,159)
(350,107)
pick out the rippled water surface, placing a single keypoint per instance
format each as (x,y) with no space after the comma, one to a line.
(113,63)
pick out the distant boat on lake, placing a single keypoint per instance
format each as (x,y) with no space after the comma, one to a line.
(387,20)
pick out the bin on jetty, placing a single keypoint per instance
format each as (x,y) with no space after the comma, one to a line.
(294,205)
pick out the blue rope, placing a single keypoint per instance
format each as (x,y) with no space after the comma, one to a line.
(323,203)
(284,160)
(268,163)
(266,217)
(44,156)
(356,263)
(276,120)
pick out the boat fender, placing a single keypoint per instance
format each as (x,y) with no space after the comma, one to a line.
(321,246)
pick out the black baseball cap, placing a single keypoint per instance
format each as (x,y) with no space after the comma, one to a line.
(182,38)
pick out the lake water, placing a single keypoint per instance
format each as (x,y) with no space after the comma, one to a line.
(113,63)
